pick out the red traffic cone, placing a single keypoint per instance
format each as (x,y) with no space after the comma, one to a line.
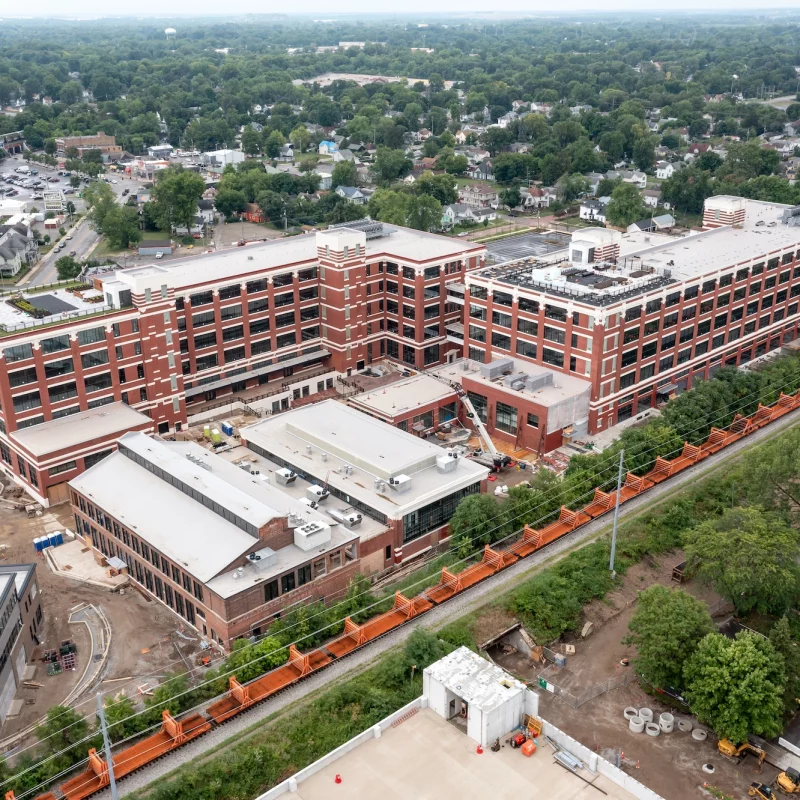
(479,749)
(338,778)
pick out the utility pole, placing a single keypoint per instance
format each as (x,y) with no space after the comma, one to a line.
(107,743)
(616,517)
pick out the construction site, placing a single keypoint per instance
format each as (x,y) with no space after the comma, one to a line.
(633,710)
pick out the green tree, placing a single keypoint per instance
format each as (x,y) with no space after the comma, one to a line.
(570,187)
(750,557)
(50,146)
(120,719)
(736,686)
(230,201)
(300,138)
(387,205)
(100,201)
(626,205)
(62,732)
(666,628)
(175,194)
(479,519)
(782,640)
(251,141)
(273,144)
(424,213)
(510,197)
(442,187)
(391,164)
(74,181)
(121,226)
(67,268)
(344,174)
(687,189)
(644,153)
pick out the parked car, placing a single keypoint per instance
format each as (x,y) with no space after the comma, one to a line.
(159,254)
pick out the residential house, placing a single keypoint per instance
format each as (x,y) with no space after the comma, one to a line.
(328,148)
(482,171)
(325,172)
(698,148)
(473,154)
(352,194)
(792,128)
(18,248)
(576,111)
(428,163)
(652,198)
(593,210)
(485,214)
(344,155)
(205,210)
(253,213)
(505,120)
(286,154)
(638,179)
(456,213)
(666,169)
(535,197)
(478,195)
(593,179)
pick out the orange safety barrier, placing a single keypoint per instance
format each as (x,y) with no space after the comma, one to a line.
(174,733)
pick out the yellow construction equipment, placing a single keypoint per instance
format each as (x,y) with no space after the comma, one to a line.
(789,782)
(738,752)
(761,790)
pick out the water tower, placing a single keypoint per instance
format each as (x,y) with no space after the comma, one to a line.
(171,33)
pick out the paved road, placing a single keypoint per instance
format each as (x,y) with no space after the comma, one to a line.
(438,617)
(83,239)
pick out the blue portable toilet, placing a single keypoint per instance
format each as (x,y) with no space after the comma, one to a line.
(44,541)
(59,537)
(227,428)
(37,544)
(53,540)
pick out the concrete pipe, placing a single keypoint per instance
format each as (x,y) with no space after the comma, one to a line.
(666,722)
(699,735)
(630,712)
(636,724)
(685,725)
(651,729)
(646,714)
(709,769)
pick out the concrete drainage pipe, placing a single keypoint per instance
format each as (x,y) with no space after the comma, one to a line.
(651,729)
(666,722)
(708,769)
(630,712)
(699,735)
(685,725)
(646,714)
(636,724)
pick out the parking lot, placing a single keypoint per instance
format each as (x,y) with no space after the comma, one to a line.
(526,245)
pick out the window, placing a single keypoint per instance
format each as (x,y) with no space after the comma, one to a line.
(527,326)
(668,341)
(25,402)
(527,349)
(629,357)
(629,336)
(203,318)
(54,344)
(670,320)
(96,382)
(506,418)
(286,339)
(259,326)
(505,299)
(502,341)
(627,380)
(89,360)
(666,363)
(709,286)
(92,336)
(282,320)
(63,391)
(554,312)
(287,583)
(234,354)
(22,376)
(673,299)
(206,362)
(554,335)
(633,313)
(205,340)
(691,293)
(228,292)
(649,349)
(19,352)
(504,320)
(720,321)
(201,299)
(552,357)
(285,299)
(234,332)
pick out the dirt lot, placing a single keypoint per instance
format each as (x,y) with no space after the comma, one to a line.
(670,764)
(145,635)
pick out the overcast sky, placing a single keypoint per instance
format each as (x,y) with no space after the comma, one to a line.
(177,8)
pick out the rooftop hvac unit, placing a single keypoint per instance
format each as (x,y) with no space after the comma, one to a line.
(351,519)
(312,535)
(285,476)
(400,483)
(448,462)
(264,557)
(310,503)
(317,493)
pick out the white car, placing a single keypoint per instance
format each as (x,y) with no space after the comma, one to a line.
(68,236)
(159,254)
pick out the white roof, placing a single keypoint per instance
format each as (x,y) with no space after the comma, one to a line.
(339,436)
(478,682)
(184,529)
(293,251)
(77,429)
(403,396)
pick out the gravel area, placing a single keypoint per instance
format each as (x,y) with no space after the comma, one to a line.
(437,617)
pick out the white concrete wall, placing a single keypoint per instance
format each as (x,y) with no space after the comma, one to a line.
(291,784)
(531,706)
(503,719)
(436,694)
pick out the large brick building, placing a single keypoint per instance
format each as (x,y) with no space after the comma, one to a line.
(641,317)
(177,336)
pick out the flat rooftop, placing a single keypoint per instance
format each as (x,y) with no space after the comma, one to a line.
(183,529)
(354,452)
(652,261)
(403,396)
(209,268)
(367,529)
(427,757)
(56,305)
(563,387)
(76,429)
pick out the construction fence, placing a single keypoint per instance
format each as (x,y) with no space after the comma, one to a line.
(548,681)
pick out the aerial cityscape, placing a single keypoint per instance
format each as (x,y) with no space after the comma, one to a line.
(399,402)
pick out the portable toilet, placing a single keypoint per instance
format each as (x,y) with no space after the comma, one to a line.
(215,436)
(227,428)
(53,539)
(207,432)
(44,541)
(59,537)
(37,544)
